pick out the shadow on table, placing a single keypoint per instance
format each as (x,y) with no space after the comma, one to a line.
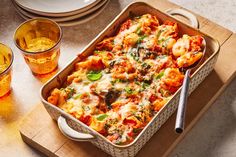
(43,78)
(215,133)
(8,108)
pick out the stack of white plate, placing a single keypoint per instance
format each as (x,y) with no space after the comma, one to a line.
(64,12)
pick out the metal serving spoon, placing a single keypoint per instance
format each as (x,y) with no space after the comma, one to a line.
(180,118)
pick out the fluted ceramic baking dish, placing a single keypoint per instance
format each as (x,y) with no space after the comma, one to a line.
(76,130)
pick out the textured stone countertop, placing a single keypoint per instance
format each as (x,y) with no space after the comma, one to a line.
(214,135)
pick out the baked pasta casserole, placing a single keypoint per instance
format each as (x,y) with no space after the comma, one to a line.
(128,78)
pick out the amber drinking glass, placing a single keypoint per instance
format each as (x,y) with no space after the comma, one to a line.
(6,59)
(39,41)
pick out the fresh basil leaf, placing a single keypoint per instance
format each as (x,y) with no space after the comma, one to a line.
(101,117)
(94,75)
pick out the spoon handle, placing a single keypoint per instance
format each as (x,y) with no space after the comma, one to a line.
(180,118)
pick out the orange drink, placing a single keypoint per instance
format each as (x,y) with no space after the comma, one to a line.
(39,41)
(6,59)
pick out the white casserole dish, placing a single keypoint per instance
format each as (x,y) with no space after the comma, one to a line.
(76,130)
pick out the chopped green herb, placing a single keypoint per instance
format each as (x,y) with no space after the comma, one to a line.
(137,17)
(77,96)
(101,117)
(113,82)
(136,130)
(138,117)
(141,39)
(117,81)
(162,91)
(94,75)
(86,82)
(134,53)
(70,91)
(144,86)
(97,51)
(145,65)
(107,126)
(148,81)
(128,90)
(166,42)
(137,83)
(160,75)
(118,142)
(159,32)
(139,31)
(165,93)
(160,41)
(86,108)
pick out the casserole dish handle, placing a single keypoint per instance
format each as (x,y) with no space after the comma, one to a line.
(192,18)
(71,133)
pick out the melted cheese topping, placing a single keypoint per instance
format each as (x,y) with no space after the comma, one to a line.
(127,80)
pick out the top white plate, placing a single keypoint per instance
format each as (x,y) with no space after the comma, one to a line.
(57,7)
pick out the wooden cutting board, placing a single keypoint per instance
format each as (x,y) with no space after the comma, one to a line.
(41,132)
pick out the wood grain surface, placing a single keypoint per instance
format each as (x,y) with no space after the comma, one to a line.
(41,132)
